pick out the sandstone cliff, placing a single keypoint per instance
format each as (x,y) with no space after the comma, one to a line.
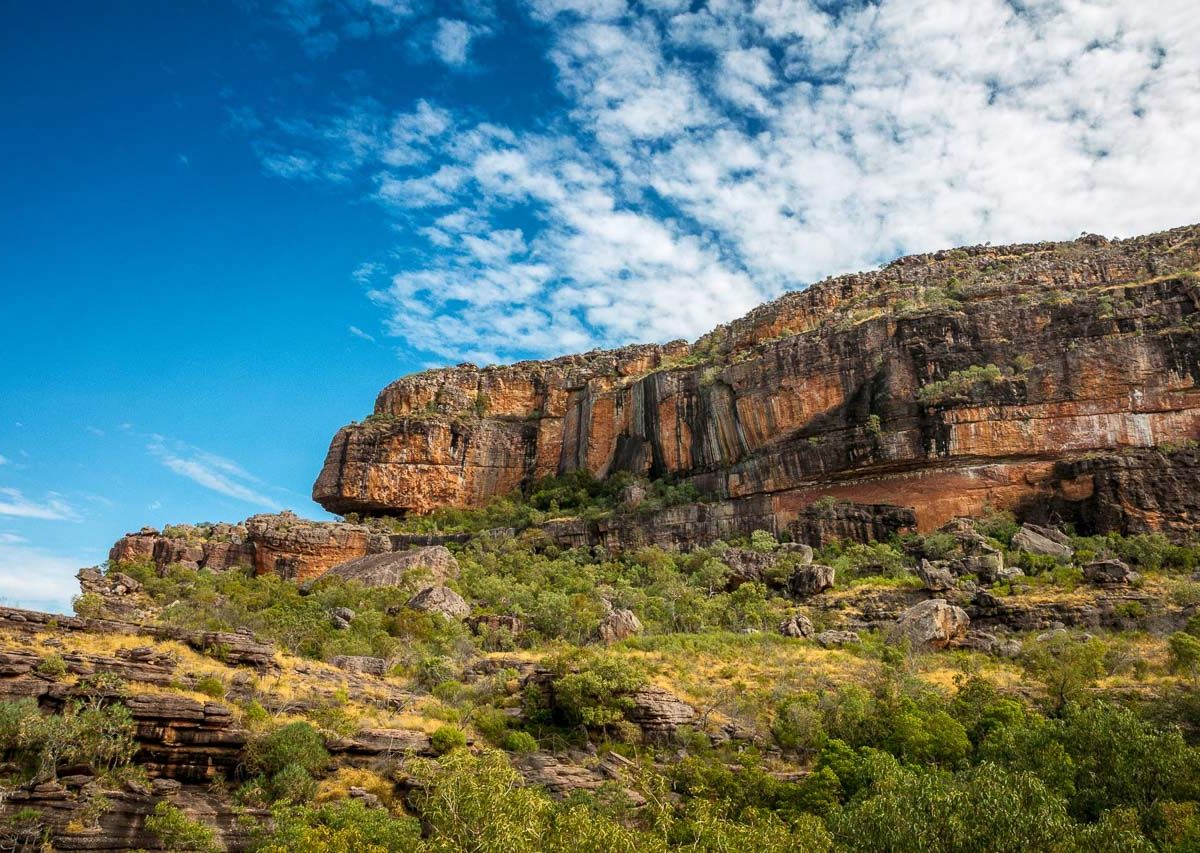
(1040,378)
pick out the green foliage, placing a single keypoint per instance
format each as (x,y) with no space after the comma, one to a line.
(338,827)
(985,808)
(286,758)
(959,384)
(592,688)
(763,541)
(1066,665)
(448,738)
(212,686)
(518,741)
(1184,652)
(52,666)
(295,743)
(176,831)
(85,732)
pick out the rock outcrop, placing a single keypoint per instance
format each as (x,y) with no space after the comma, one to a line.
(287,545)
(901,386)
(441,600)
(433,563)
(933,624)
(619,624)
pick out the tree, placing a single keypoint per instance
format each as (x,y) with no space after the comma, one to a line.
(1066,665)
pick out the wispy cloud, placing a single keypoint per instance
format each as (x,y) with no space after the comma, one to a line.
(709,159)
(52,508)
(35,578)
(359,333)
(4,460)
(211,471)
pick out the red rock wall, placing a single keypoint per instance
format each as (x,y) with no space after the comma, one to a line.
(820,393)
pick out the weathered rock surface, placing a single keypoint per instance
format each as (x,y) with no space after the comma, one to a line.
(283,543)
(1043,541)
(62,821)
(1109,573)
(905,383)
(808,580)
(620,624)
(441,600)
(797,625)
(933,624)
(830,639)
(659,713)
(935,576)
(433,563)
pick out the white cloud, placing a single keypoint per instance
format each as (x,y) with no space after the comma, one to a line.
(35,578)
(4,460)
(359,333)
(52,508)
(710,160)
(452,41)
(213,472)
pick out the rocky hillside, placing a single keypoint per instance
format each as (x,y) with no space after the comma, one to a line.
(1037,378)
(908,561)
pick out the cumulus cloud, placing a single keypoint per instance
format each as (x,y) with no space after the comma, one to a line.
(710,159)
(51,508)
(211,471)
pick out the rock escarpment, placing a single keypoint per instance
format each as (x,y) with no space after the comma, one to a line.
(1051,379)
(285,544)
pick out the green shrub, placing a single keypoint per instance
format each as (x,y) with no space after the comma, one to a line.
(293,745)
(985,808)
(959,383)
(447,738)
(763,541)
(518,741)
(592,688)
(1184,651)
(342,826)
(176,831)
(212,686)
(52,666)
(1066,665)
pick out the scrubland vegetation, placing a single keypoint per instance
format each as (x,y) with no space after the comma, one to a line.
(1078,742)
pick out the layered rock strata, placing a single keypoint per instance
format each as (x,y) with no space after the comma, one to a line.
(945,382)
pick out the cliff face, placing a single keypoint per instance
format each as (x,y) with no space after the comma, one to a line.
(944,382)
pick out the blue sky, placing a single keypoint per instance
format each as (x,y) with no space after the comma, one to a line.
(227,225)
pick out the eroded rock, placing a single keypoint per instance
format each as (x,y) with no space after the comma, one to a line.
(441,600)
(807,581)
(933,624)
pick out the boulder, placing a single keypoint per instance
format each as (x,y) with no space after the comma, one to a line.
(1045,541)
(935,576)
(361,663)
(441,600)
(933,624)
(989,643)
(808,580)
(747,566)
(435,563)
(798,625)
(618,625)
(829,639)
(341,617)
(1109,573)
(658,712)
